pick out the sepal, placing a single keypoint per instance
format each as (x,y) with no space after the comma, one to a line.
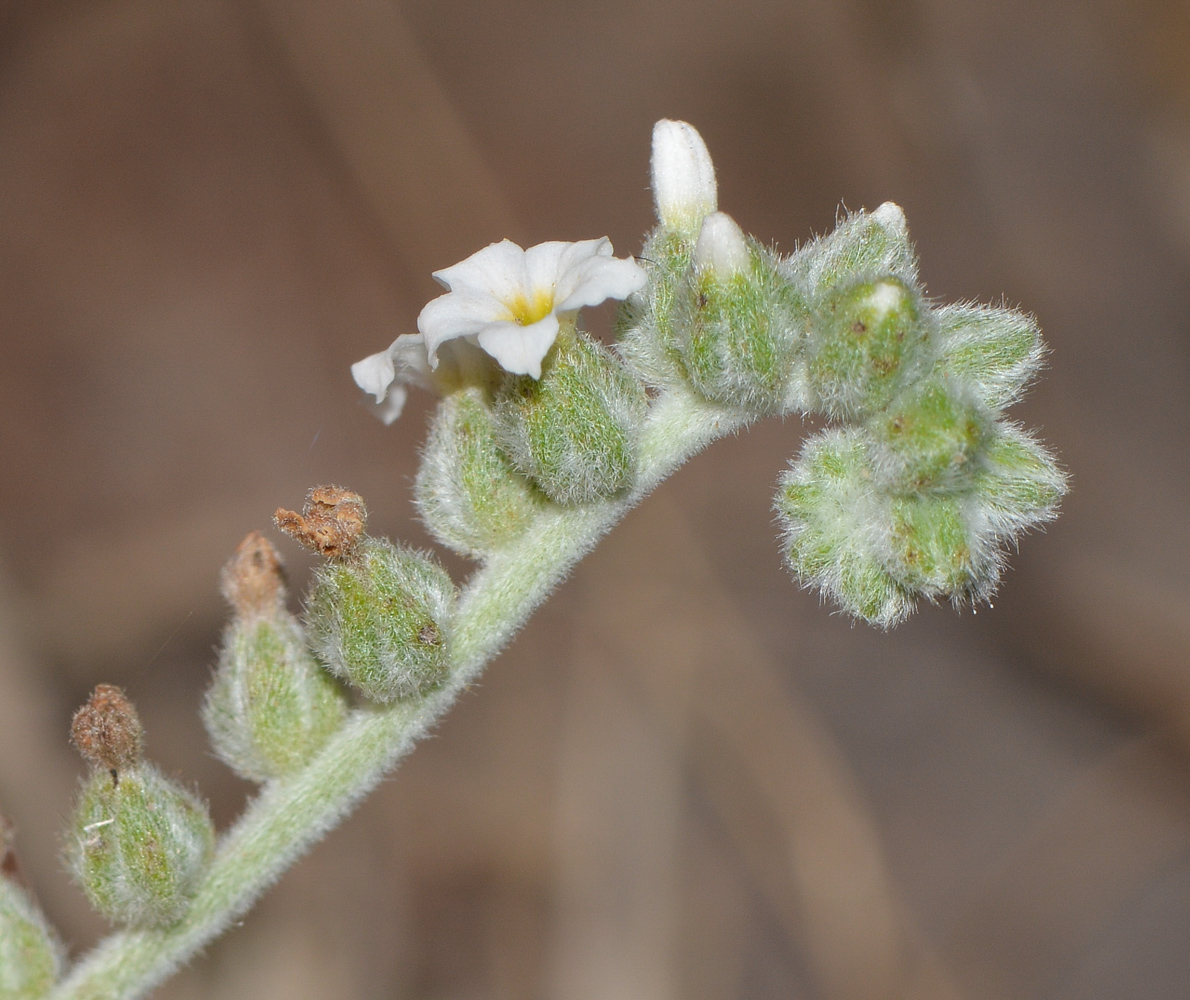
(997,350)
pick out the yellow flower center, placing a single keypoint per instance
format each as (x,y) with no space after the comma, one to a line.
(529,310)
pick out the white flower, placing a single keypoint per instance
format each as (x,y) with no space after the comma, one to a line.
(508,300)
(684,188)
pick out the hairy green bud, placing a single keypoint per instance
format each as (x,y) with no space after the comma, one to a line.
(645,326)
(833,519)
(935,551)
(470,497)
(575,430)
(30,953)
(740,325)
(270,707)
(871,243)
(380,619)
(870,339)
(138,844)
(997,350)
(929,438)
(30,957)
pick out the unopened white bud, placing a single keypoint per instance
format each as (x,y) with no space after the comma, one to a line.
(721,248)
(684,191)
(892,216)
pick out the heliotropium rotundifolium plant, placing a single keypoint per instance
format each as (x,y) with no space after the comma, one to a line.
(543,438)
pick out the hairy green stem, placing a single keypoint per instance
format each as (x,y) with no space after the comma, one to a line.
(291,814)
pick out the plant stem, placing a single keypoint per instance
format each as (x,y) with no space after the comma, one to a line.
(293,813)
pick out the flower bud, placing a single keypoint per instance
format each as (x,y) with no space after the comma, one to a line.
(684,189)
(722,248)
(862,245)
(834,524)
(574,431)
(929,438)
(469,495)
(935,550)
(30,955)
(997,350)
(137,843)
(739,326)
(381,618)
(870,339)
(270,706)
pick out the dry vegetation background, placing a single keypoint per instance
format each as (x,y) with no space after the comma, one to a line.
(686,778)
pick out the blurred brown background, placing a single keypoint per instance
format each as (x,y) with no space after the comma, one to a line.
(686,779)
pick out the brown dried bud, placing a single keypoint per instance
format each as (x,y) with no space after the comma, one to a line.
(107,730)
(253,581)
(330,523)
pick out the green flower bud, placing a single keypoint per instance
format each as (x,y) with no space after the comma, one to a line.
(875,243)
(645,326)
(997,350)
(1019,485)
(30,958)
(138,844)
(935,550)
(574,431)
(929,438)
(834,521)
(270,706)
(30,954)
(469,495)
(380,619)
(871,338)
(740,325)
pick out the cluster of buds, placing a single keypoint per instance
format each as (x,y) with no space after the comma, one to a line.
(919,483)
(913,489)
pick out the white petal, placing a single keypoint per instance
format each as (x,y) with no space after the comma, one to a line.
(375,374)
(393,404)
(684,189)
(600,278)
(458,314)
(543,264)
(520,349)
(385,375)
(721,247)
(497,270)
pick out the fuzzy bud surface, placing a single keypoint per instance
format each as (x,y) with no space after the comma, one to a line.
(467,491)
(381,620)
(574,431)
